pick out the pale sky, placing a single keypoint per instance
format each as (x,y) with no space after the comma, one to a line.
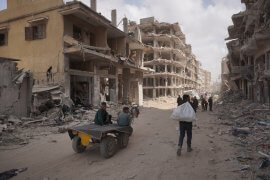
(204,22)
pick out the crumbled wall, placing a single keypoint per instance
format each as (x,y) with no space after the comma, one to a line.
(15,89)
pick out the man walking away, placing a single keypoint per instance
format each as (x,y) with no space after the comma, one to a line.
(210,101)
(179,100)
(185,128)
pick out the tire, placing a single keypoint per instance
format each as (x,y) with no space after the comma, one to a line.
(77,146)
(108,147)
(123,140)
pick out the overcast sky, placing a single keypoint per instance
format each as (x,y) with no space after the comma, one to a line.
(204,22)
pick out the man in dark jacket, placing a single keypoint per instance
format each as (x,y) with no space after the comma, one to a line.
(179,100)
(185,128)
(102,117)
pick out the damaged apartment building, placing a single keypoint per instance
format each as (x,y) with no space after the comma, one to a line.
(73,46)
(249,51)
(166,52)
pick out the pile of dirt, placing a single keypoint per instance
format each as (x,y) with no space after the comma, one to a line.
(250,127)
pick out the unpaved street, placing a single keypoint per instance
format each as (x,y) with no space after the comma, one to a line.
(151,153)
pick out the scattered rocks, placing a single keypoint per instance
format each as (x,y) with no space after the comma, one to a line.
(250,124)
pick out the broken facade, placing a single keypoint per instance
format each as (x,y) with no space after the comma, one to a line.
(15,89)
(249,51)
(176,68)
(73,46)
(204,81)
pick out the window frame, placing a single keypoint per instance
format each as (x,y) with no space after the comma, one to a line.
(5,33)
(36,31)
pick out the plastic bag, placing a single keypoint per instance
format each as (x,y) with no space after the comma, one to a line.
(184,112)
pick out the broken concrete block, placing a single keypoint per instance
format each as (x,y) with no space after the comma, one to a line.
(237,131)
(26,119)
(14,120)
(3,127)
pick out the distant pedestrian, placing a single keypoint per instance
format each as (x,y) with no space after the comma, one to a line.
(179,100)
(195,103)
(203,103)
(185,128)
(210,101)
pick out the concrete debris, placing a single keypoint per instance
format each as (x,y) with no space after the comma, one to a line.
(263,177)
(11,173)
(57,119)
(237,131)
(14,120)
(250,127)
(265,164)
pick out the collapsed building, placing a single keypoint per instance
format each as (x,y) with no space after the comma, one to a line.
(74,46)
(249,51)
(176,67)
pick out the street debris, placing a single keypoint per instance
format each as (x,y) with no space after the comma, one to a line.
(11,173)
(55,118)
(250,127)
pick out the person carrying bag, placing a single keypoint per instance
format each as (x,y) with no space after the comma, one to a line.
(185,114)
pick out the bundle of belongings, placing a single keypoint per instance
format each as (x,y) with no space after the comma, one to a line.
(184,112)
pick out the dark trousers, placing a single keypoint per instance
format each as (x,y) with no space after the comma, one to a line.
(210,106)
(185,127)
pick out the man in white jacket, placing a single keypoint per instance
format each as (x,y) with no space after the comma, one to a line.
(185,127)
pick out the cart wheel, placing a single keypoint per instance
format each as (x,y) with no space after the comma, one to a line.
(108,146)
(123,140)
(77,146)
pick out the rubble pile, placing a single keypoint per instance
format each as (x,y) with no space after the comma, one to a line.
(19,131)
(250,125)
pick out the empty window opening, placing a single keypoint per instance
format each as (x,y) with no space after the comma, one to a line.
(77,33)
(149,57)
(3,38)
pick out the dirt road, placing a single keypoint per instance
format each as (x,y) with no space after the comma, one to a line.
(151,154)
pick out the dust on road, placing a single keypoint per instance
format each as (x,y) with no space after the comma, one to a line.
(150,155)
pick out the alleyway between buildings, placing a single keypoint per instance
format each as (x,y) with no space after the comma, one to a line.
(151,153)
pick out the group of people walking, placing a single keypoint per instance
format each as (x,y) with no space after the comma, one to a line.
(205,103)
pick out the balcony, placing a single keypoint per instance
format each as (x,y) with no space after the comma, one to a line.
(245,70)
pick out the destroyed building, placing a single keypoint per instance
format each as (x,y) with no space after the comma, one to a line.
(249,51)
(176,67)
(74,46)
(225,74)
(15,89)
(204,81)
